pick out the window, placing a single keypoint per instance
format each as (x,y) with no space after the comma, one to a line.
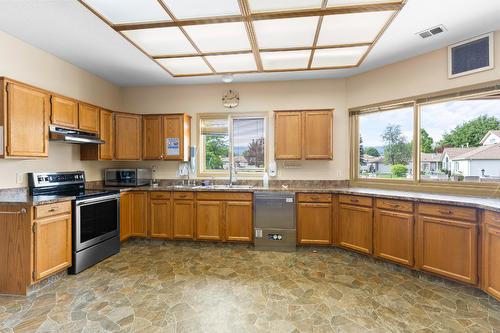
(240,140)
(386,144)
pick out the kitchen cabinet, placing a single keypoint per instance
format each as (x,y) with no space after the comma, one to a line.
(160,131)
(238,219)
(24,121)
(127,136)
(491,254)
(152,147)
(64,112)
(394,231)
(102,152)
(447,241)
(314,219)
(139,203)
(88,118)
(183,215)
(355,224)
(125,216)
(161,215)
(209,220)
(303,135)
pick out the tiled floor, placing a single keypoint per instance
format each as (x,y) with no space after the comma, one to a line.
(193,287)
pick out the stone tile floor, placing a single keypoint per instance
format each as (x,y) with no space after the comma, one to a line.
(201,287)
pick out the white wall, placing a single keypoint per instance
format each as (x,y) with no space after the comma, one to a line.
(491,167)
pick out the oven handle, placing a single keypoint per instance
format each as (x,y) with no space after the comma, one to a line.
(98,200)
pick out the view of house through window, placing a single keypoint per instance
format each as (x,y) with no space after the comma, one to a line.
(460,140)
(385,143)
(230,139)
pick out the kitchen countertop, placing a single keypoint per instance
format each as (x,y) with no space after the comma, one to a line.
(21,195)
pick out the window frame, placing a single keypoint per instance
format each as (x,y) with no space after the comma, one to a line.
(417,184)
(201,172)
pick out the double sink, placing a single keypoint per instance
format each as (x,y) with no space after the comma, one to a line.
(215,187)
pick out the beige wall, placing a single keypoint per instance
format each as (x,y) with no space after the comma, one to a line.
(254,97)
(25,63)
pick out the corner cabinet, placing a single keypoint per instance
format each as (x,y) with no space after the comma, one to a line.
(24,121)
(491,254)
(127,136)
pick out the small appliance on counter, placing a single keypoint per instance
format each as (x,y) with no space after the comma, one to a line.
(127,177)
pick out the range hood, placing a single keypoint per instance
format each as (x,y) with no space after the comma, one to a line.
(58,133)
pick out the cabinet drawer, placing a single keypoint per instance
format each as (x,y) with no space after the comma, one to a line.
(492,218)
(355,200)
(450,212)
(398,205)
(233,196)
(160,195)
(314,197)
(184,195)
(52,209)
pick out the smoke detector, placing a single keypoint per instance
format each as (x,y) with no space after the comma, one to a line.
(432,31)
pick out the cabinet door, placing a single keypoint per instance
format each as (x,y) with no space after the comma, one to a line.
(209,215)
(314,223)
(27,122)
(491,260)
(161,218)
(139,214)
(152,148)
(127,137)
(106,134)
(394,236)
(318,131)
(64,112)
(448,248)
(52,245)
(355,228)
(288,135)
(173,129)
(183,219)
(125,216)
(88,118)
(239,221)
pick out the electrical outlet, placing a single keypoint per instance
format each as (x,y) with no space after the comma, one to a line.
(19,178)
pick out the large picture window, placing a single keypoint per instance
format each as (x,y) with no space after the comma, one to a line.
(237,140)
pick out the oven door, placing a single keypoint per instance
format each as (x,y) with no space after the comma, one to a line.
(96,220)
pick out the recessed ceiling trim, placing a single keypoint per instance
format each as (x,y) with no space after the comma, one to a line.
(251,33)
(316,35)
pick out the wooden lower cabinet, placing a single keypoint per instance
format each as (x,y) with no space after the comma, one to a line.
(314,223)
(238,221)
(393,236)
(355,228)
(183,219)
(209,220)
(125,215)
(491,254)
(139,213)
(161,218)
(447,247)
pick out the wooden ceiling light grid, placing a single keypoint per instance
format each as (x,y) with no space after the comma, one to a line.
(247,17)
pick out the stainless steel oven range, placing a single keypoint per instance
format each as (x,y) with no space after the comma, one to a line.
(96,215)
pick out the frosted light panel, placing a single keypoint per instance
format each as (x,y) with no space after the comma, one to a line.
(161,41)
(233,63)
(183,9)
(129,11)
(257,6)
(352,28)
(339,57)
(219,37)
(185,66)
(284,33)
(334,3)
(285,60)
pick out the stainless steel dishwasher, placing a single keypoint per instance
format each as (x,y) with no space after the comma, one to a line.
(274,221)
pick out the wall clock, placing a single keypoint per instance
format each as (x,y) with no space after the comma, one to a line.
(230,99)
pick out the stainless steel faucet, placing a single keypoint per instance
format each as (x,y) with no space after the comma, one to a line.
(232,173)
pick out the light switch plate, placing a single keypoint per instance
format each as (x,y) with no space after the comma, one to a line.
(19,178)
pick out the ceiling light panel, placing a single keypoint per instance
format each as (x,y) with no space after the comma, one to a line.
(335,3)
(338,57)
(233,63)
(285,60)
(352,28)
(183,9)
(186,66)
(219,37)
(259,6)
(129,11)
(284,33)
(161,41)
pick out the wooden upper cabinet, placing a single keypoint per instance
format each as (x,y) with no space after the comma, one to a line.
(176,139)
(64,112)
(288,135)
(490,252)
(105,151)
(152,147)
(88,118)
(26,121)
(318,131)
(127,136)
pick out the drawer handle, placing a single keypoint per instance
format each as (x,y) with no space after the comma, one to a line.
(314,198)
(446,212)
(52,210)
(394,205)
(354,200)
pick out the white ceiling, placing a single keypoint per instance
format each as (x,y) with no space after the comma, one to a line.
(68,30)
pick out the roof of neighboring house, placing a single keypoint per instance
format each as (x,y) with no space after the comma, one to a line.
(453,152)
(494,132)
(373,159)
(430,157)
(489,152)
